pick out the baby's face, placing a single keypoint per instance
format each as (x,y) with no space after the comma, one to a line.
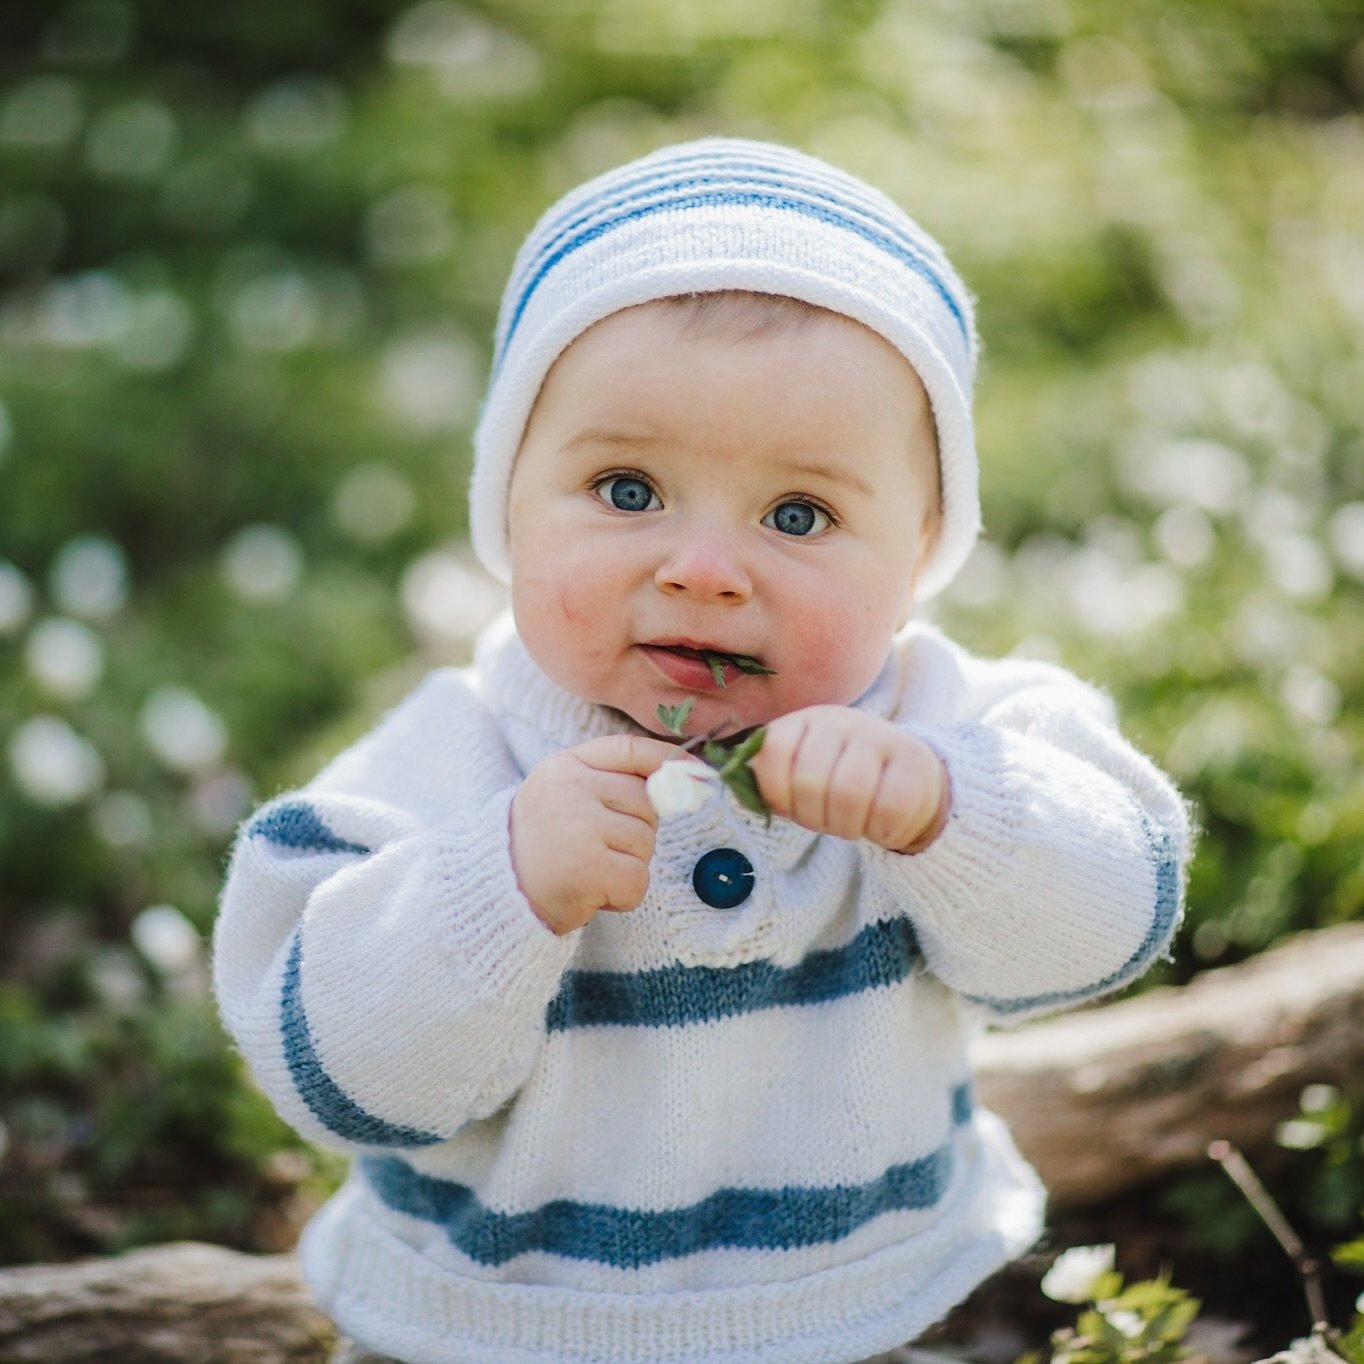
(682,489)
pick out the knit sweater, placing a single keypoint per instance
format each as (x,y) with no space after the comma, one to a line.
(687,1133)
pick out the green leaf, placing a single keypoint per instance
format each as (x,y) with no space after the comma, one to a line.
(752,666)
(744,784)
(716,664)
(1350,1255)
(673,718)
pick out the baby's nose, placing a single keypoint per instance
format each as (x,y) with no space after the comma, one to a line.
(705,564)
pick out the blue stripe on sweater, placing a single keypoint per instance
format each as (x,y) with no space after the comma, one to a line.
(673,996)
(298,826)
(725,198)
(629,1238)
(1165,864)
(326,1100)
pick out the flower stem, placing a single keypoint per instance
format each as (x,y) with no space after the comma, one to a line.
(1239,1171)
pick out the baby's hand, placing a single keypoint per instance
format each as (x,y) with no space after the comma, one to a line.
(582,829)
(838,771)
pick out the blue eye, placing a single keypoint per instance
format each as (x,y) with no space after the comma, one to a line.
(796,518)
(627,494)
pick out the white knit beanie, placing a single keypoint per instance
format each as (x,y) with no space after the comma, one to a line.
(724,213)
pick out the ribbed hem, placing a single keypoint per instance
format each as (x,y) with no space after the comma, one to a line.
(386,1294)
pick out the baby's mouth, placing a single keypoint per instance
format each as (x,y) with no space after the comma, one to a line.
(700,668)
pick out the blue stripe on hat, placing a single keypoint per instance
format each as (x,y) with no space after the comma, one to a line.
(1165,864)
(673,996)
(768,159)
(664,178)
(784,1218)
(298,826)
(326,1100)
(813,177)
(737,198)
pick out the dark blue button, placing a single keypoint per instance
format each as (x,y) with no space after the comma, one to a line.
(723,878)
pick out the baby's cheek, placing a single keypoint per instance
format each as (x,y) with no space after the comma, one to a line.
(837,648)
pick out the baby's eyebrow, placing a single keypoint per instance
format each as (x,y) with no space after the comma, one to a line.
(597,436)
(833,474)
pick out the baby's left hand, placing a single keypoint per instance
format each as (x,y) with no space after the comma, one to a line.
(839,771)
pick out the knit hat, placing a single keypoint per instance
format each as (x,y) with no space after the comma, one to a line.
(725,213)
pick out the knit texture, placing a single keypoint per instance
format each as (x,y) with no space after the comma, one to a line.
(724,213)
(683,1134)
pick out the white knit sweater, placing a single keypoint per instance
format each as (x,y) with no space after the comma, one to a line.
(685,1133)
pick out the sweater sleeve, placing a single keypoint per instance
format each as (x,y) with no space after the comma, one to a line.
(1059,874)
(374,958)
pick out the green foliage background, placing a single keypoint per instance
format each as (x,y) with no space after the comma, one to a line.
(249,263)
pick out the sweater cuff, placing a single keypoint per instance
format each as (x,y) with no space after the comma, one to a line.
(970,855)
(503,948)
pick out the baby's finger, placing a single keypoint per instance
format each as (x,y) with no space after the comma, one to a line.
(631,753)
(811,772)
(852,790)
(629,835)
(625,794)
(624,881)
(774,761)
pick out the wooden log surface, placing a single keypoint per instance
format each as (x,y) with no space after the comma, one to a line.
(184,1303)
(1101,1101)
(1113,1097)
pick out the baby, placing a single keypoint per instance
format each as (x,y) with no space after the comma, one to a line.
(625,1089)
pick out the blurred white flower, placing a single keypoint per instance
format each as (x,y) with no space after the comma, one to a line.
(217,803)
(1109,598)
(65,656)
(89,577)
(410,223)
(1318,1098)
(297,116)
(680,786)
(159,332)
(122,819)
(1074,1272)
(1198,473)
(132,140)
(1185,536)
(1129,1323)
(184,734)
(45,111)
(116,978)
(1299,568)
(95,33)
(431,382)
(372,503)
(167,939)
(278,311)
(16,599)
(469,57)
(448,597)
(52,763)
(262,563)
(1345,531)
(983,577)
(1310,695)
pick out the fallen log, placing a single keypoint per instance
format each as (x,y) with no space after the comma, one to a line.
(1101,1101)
(1114,1097)
(168,1304)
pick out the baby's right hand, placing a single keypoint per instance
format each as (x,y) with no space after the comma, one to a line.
(582,829)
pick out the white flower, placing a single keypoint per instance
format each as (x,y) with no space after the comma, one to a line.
(680,786)
(1129,1323)
(1074,1273)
